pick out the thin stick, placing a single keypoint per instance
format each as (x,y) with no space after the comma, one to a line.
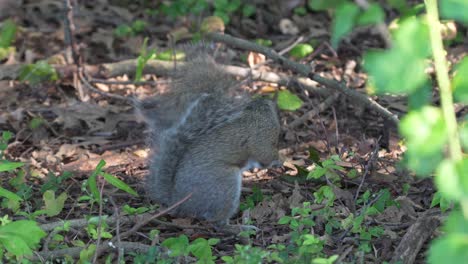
(305,70)
(146,221)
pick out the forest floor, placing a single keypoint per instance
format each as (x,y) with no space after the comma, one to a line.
(340,156)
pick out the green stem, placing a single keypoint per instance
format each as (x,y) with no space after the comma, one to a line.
(443,80)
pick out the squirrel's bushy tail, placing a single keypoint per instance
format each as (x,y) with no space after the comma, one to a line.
(200,95)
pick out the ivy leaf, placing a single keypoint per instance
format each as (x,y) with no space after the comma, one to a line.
(373,15)
(401,70)
(460,81)
(288,100)
(9,195)
(451,248)
(7,34)
(20,237)
(451,179)
(53,206)
(178,245)
(455,9)
(421,127)
(118,183)
(92,181)
(9,166)
(87,254)
(301,50)
(38,72)
(343,22)
(321,5)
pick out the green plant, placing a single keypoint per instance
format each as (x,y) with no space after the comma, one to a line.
(38,72)
(246,254)
(7,36)
(428,123)
(288,101)
(326,168)
(134,211)
(304,246)
(347,15)
(19,238)
(253,199)
(95,229)
(301,50)
(200,248)
(142,59)
(183,7)
(138,26)
(92,182)
(53,182)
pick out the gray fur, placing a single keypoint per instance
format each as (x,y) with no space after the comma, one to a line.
(213,139)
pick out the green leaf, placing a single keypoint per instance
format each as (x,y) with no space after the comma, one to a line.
(320,5)
(421,127)
(36,122)
(168,55)
(284,220)
(464,134)
(449,249)
(314,155)
(9,195)
(329,260)
(441,200)
(222,15)
(316,173)
(7,33)
(118,183)
(454,9)
(248,10)
(300,11)
(202,250)
(178,245)
(53,206)
(372,15)
(138,26)
(288,100)
(343,22)
(38,72)
(451,179)
(6,136)
(420,97)
(401,69)
(9,166)
(301,50)
(401,5)
(420,163)
(21,237)
(87,254)
(142,59)
(264,42)
(460,81)
(123,31)
(92,181)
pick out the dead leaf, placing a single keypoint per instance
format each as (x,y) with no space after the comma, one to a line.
(255,58)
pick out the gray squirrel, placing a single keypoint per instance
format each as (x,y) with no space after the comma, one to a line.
(205,137)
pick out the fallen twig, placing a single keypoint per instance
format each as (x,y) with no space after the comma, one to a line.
(305,70)
(316,110)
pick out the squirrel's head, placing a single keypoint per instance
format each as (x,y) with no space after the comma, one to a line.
(263,131)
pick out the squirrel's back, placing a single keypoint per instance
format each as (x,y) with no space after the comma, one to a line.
(208,141)
(198,100)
